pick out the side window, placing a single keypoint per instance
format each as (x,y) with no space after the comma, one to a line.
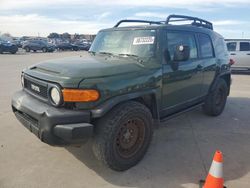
(231,46)
(206,46)
(180,38)
(244,46)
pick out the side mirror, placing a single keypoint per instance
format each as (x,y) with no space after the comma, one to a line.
(182,53)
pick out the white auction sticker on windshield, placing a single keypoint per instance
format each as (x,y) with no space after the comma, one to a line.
(143,40)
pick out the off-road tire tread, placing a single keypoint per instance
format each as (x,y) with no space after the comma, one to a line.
(105,128)
(209,107)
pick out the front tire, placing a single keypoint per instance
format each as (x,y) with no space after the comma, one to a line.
(216,99)
(13,52)
(123,135)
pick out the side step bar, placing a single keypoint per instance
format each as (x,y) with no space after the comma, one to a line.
(171,116)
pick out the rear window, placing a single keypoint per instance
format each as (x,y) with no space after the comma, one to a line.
(231,46)
(206,46)
(244,46)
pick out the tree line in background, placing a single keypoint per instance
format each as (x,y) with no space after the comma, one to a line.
(67,36)
(63,36)
(5,34)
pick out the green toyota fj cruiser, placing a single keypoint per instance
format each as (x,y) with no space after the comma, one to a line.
(132,77)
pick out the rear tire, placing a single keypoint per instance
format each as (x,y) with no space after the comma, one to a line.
(27,49)
(123,135)
(216,99)
(44,50)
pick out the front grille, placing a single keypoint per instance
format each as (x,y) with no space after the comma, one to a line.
(36,87)
(28,121)
(28,118)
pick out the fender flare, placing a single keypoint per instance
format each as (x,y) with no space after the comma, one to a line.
(219,76)
(102,109)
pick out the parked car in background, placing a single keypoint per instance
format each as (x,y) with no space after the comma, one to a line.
(81,46)
(66,46)
(7,46)
(38,45)
(17,41)
(239,51)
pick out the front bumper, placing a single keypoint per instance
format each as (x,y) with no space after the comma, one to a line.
(10,48)
(54,126)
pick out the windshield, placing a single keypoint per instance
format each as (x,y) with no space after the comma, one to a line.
(140,43)
(3,40)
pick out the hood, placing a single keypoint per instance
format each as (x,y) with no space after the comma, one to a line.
(7,43)
(75,69)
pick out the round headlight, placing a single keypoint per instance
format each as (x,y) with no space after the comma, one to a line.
(22,80)
(55,96)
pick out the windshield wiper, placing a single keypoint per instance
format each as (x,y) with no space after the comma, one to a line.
(131,55)
(106,53)
(92,52)
(138,59)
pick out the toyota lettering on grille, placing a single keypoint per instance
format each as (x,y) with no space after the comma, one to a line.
(35,88)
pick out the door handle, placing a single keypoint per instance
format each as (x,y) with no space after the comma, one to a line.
(233,54)
(248,53)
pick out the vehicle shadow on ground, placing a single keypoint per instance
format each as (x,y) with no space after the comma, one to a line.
(182,149)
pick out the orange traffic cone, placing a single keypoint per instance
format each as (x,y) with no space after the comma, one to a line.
(215,175)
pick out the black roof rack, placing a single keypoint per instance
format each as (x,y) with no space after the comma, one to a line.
(138,21)
(196,21)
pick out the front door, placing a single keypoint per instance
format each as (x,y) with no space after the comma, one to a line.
(182,81)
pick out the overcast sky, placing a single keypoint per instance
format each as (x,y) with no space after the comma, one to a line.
(231,18)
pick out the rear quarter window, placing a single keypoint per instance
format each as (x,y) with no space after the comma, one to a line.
(206,47)
(221,48)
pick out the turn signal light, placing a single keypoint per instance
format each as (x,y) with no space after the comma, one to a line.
(80,95)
